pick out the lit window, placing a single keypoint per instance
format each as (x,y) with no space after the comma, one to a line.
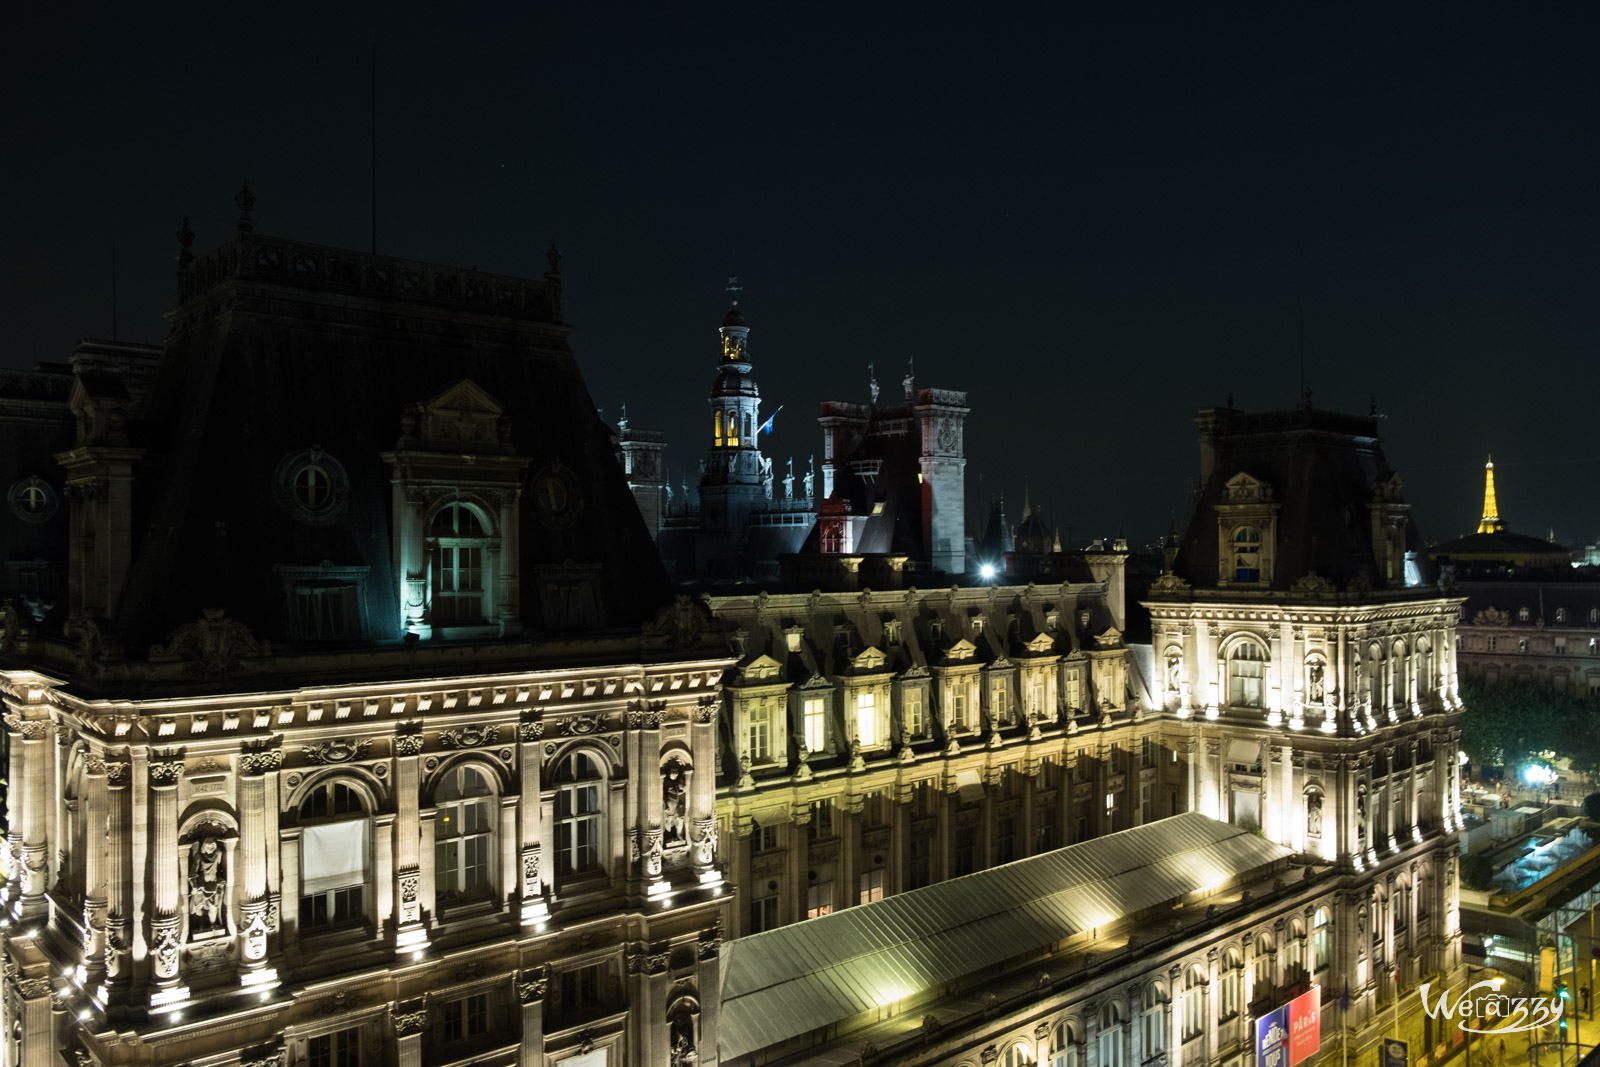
(1561,615)
(819,900)
(312,487)
(867,718)
(816,723)
(1111,1036)
(871,885)
(758,731)
(1246,671)
(1263,971)
(914,724)
(716,429)
(1247,554)
(458,545)
(578,815)
(1321,938)
(463,834)
(999,704)
(1228,979)
(1151,1021)
(1194,1003)
(958,711)
(1038,700)
(333,856)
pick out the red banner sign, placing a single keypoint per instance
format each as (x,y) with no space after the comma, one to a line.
(1305,1025)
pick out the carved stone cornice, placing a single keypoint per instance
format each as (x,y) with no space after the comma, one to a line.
(337,750)
(408,745)
(166,772)
(260,761)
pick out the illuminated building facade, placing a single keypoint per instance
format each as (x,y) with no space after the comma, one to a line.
(365,730)
(889,503)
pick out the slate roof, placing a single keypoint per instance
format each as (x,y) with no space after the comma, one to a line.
(789,981)
(279,346)
(1324,469)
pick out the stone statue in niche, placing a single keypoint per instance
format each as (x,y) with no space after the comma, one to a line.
(673,798)
(683,1052)
(1361,816)
(1174,673)
(208,886)
(1314,686)
(1314,815)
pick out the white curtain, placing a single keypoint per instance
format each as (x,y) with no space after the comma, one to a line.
(333,856)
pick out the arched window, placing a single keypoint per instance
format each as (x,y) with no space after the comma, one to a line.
(1229,980)
(1321,924)
(1152,1021)
(463,835)
(1111,1035)
(1247,675)
(1067,1041)
(1294,954)
(1016,1056)
(733,429)
(1263,987)
(1375,677)
(578,815)
(458,545)
(716,429)
(1425,678)
(1194,1002)
(1247,554)
(1397,676)
(333,856)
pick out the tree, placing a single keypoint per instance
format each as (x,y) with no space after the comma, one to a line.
(1477,871)
(1591,806)
(1510,723)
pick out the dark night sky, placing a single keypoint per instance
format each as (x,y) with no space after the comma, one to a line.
(1094,223)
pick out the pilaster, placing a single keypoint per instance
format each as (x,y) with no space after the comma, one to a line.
(165,770)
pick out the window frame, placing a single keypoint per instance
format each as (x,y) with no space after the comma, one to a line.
(570,817)
(482,840)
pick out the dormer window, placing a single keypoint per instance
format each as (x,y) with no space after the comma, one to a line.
(457,543)
(1522,614)
(1247,554)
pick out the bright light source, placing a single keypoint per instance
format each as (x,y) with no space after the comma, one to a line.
(986,571)
(1535,774)
(1462,756)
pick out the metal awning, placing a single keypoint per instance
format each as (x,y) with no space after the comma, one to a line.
(786,982)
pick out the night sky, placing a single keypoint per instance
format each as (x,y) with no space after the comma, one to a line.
(1095,223)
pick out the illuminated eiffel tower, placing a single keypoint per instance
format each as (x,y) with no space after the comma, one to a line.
(1490,523)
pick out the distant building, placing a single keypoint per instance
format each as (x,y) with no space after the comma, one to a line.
(1542,631)
(890,501)
(1493,550)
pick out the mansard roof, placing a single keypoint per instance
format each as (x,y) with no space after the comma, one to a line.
(279,346)
(787,982)
(1323,470)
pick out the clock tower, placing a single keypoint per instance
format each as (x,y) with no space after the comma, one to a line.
(737,478)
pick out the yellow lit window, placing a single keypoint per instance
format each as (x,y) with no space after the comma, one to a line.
(716,429)
(867,718)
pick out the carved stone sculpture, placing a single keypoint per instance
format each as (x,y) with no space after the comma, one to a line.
(673,800)
(208,888)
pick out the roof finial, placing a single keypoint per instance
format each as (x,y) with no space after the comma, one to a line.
(185,239)
(246,200)
(735,288)
(1372,408)
(1230,400)
(873,383)
(553,254)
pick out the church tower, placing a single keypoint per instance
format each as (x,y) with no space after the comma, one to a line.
(1490,523)
(737,479)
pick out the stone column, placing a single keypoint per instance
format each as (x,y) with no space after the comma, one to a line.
(530,888)
(798,860)
(426,893)
(254,766)
(530,995)
(36,756)
(165,921)
(409,1019)
(703,791)
(118,936)
(289,861)
(742,828)
(1209,1042)
(410,933)
(96,809)
(11,855)
(508,883)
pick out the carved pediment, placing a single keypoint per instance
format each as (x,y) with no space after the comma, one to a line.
(1390,491)
(1042,642)
(1312,584)
(1244,488)
(961,650)
(870,659)
(462,418)
(1491,617)
(762,668)
(1111,637)
(1169,584)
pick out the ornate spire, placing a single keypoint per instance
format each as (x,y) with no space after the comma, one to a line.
(246,200)
(185,240)
(1491,511)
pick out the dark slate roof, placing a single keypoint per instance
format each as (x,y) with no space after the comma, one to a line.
(1545,600)
(1324,469)
(280,346)
(1491,544)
